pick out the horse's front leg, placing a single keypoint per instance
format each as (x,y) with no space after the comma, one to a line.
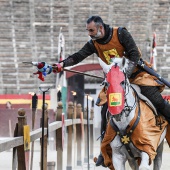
(144,165)
(158,158)
(133,164)
(118,161)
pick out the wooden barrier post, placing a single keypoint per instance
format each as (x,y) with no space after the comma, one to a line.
(20,149)
(14,155)
(91,134)
(27,145)
(45,138)
(59,148)
(79,136)
(69,139)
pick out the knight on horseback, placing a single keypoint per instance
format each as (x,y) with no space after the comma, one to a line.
(115,42)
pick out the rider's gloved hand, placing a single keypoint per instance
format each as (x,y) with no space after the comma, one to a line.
(57,67)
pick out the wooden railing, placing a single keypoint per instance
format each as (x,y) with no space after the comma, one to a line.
(76,124)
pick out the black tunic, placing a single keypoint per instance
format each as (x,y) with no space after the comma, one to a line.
(88,49)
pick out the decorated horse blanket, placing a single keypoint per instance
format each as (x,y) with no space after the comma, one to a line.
(145,136)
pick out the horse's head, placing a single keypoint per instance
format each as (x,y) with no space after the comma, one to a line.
(116,84)
(121,62)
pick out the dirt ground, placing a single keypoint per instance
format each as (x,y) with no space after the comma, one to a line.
(6,158)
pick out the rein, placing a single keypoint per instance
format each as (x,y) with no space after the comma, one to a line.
(124,135)
(129,108)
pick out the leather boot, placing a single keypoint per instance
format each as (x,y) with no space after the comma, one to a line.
(166,111)
(100,161)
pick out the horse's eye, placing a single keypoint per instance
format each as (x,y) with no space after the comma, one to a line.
(122,83)
(105,83)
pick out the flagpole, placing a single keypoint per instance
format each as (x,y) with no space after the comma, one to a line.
(153,52)
(59,54)
(61,77)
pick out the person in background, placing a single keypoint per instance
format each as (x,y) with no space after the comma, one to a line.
(8,105)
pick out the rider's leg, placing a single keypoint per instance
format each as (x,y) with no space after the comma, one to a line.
(153,94)
(100,159)
(103,118)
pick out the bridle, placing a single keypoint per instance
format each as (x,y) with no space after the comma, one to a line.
(127,109)
(124,134)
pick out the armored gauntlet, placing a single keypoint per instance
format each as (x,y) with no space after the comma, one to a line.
(131,67)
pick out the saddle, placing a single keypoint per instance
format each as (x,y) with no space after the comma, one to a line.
(102,97)
(145,99)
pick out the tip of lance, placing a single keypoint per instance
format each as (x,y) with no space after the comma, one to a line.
(29,62)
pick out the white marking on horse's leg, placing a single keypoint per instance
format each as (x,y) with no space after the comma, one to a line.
(144,161)
(158,158)
(143,168)
(118,162)
(133,164)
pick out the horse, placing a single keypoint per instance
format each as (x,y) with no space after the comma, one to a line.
(126,110)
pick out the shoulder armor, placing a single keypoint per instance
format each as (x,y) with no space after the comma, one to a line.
(120,33)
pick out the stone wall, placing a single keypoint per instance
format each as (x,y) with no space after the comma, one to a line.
(29,32)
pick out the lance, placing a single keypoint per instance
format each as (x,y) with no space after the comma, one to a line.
(64,69)
(85,74)
(149,70)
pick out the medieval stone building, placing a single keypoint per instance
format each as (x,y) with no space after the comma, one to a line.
(29,31)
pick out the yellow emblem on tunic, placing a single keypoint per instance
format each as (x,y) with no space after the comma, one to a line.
(110,54)
(115,99)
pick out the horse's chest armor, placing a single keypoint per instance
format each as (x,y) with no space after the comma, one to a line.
(124,136)
(118,142)
(123,139)
(119,147)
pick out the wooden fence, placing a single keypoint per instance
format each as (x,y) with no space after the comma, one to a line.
(76,125)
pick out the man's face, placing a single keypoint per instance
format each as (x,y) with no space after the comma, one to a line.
(95,32)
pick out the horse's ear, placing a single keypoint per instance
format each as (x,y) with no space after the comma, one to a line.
(105,67)
(123,61)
